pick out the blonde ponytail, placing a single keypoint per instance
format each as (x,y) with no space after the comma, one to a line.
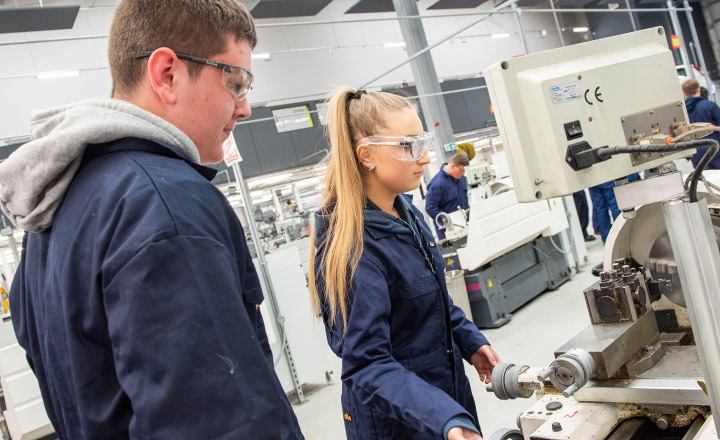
(350,118)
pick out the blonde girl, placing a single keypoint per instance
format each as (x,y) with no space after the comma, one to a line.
(379,285)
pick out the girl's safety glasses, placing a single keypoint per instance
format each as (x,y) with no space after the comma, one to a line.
(237,79)
(405,148)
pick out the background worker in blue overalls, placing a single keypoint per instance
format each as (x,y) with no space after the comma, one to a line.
(378,282)
(701,110)
(605,205)
(447,190)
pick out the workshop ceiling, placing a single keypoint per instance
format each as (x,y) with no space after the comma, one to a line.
(35,15)
(366,6)
(37,19)
(456,4)
(287,8)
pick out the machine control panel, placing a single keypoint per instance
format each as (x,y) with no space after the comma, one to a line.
(600,93)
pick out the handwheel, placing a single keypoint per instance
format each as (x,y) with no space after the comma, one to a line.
(507,434)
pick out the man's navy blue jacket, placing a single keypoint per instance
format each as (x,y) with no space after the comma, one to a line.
(444,194)
(702,110)
(138,308)
(402,352)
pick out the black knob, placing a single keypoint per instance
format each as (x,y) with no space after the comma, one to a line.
(553,406)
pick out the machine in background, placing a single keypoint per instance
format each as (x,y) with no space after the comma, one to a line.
(510,252)
(299,328)
(646,366)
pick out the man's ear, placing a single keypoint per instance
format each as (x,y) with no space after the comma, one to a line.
(366,155)
(162,71)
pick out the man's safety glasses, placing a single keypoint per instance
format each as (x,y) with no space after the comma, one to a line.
(405,148)
(237,79)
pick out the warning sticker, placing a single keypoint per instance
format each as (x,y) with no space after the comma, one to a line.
(565,93)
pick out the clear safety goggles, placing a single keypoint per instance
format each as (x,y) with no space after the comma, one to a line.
(405,148)
(237,79)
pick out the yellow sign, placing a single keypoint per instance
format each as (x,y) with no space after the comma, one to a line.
(489,283)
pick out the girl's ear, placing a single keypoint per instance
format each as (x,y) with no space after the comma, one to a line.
(366,155)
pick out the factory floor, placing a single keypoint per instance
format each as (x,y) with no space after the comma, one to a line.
(530,338)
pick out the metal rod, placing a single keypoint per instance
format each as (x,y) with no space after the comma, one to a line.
(503,27)
(573,229)
(27,75)
(434,108)
(698,259)
(464,14)
(552,10)
(26,138)
(437,43)
(698,54)
(448,92)
(227,175)
(692,54)
(14,249)
(53,40)
(296,195)
(632,18)
(518,20)
(557,22)
(546,373)
(678,31)
(268,287)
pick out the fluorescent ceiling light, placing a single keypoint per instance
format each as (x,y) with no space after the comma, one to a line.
(496,36)
(398,44)
(271,179)
(260,56)
(58,74)
(262,199)
(308,182)
(284,188)
(255,194)
(580,29)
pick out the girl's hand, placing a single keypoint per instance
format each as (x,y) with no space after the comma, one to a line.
(484,360)
(459,433)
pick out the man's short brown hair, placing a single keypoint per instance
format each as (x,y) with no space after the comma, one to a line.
(690,87)
(192,27)
(460,160)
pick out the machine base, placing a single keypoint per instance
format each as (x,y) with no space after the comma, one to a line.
(500,287)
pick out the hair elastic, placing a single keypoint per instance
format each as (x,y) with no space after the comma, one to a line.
(356,95)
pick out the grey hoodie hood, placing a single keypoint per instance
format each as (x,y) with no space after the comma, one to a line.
(34,179)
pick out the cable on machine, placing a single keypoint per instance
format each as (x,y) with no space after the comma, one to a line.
(604,153)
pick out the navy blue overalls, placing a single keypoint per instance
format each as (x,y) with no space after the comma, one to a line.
(402,351)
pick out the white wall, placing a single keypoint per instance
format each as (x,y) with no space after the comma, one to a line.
(346,54)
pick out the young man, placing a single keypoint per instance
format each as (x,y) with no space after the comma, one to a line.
(701,110)
(447,191)
(136,298)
